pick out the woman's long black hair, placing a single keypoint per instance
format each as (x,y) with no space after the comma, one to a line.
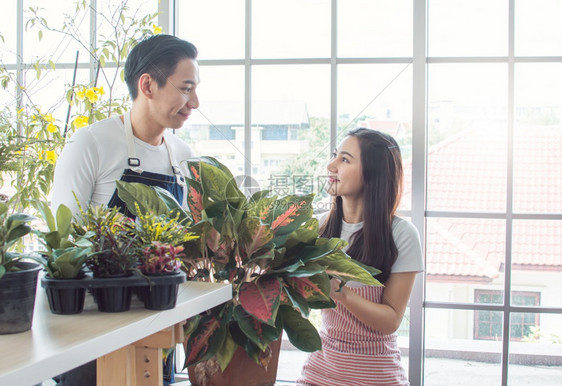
(382,174)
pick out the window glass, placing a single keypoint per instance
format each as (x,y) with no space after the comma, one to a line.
(8,95)
(290,127)
(48,93)
(291,28)
(536,260)
(378,96)
(537,27)
(216,128)
(8,32)
(537,164)
(216,27)
(488,324)
(467,28)
(453,356)
(111,13)
(536,353)
(369,28)
(58,43)
(467,137)
(464,255)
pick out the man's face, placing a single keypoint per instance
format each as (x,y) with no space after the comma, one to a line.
(174,101)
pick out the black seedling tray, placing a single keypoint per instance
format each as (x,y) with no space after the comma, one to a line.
(133,280)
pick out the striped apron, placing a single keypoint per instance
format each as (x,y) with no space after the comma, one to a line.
(352,353)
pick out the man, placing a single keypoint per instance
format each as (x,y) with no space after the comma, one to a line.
(162,75)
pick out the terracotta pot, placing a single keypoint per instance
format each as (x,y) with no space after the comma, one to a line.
(241,371)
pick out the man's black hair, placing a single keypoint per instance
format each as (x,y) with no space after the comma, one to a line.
(157,56)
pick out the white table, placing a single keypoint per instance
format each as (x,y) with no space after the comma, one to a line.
(58,343)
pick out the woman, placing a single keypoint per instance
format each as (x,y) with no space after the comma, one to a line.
(358,336)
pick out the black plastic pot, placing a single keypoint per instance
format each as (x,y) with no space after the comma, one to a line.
(64,297)
(162,292)
(113,294)
(17,298)
(113,299)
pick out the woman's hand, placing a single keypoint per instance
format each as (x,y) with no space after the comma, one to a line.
(334,293)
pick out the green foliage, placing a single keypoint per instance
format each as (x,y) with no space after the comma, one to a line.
(13,227)
(113,239)
(150,227)
(36,134)
(268,249)
(66,253)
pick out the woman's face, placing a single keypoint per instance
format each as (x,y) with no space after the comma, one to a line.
(345,172)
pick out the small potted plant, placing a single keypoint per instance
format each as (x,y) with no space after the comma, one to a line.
(18,278)
(158,242)
(161,262)
(113,258)
(64,260)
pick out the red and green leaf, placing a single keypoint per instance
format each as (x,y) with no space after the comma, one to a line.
(289,213)
(253,235)
(194,199)
(261,299)
(313,288)
(339,265)
(258,332)
(205,340)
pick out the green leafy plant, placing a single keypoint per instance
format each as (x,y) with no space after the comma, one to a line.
(163,228)
(113,239)
(268,249)
(66,255)
(32,134)
(13,227)
(159,239)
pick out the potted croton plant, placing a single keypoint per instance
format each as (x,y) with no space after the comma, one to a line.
(159,240)
(268,248)
(18,277)
(113,258)
(64,259)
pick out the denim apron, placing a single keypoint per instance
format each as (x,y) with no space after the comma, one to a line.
(172,183)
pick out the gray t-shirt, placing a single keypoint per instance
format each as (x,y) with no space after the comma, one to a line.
(406,238)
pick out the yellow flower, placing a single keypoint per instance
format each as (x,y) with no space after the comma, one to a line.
(20,111)
(51,156)
(91,95)
(51,128)
(80,121)
(81,94)
(156,29)
(99,90)
(49,118)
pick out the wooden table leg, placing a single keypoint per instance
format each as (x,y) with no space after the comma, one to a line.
(149,369)
(117,368)
(139,364)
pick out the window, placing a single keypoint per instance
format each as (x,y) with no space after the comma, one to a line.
(488,324)
(275,132)
(221,133)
